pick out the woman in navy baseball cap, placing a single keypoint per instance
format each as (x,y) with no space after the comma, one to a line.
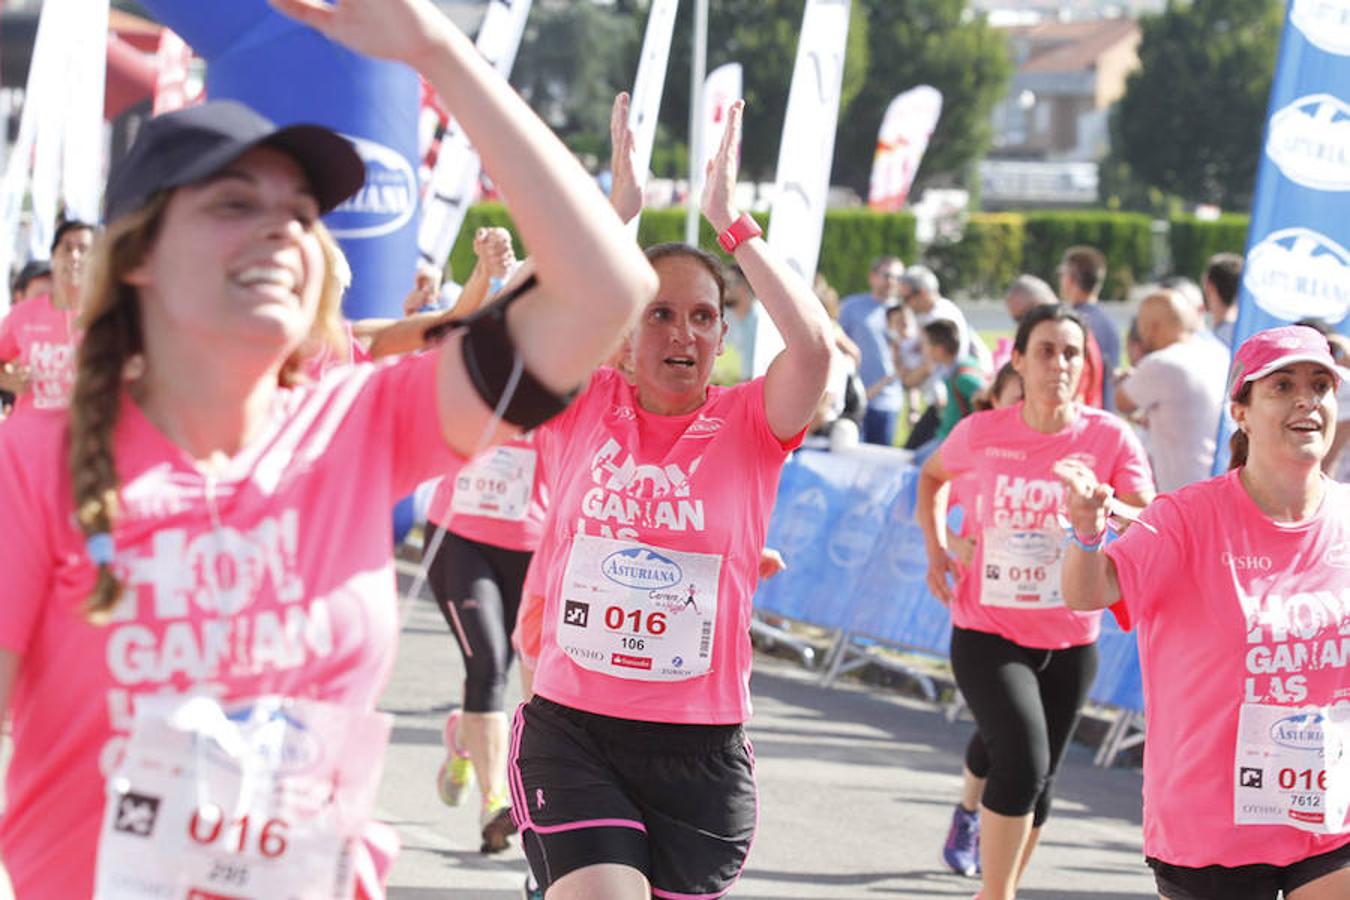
(191,527)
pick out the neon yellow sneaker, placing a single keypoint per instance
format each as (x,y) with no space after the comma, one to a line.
(498,826)
(456,773)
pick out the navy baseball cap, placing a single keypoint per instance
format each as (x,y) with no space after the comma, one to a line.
(188,145)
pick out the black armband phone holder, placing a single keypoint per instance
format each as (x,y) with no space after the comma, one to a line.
(496,369)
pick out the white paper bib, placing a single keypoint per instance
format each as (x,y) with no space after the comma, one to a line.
(1292,767)
(638,612)
(1022,568)
(497,485)
(265,800)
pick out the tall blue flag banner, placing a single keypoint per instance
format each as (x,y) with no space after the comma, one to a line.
(1297,263)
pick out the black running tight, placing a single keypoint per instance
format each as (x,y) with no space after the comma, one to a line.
(1025,702)
(478,587)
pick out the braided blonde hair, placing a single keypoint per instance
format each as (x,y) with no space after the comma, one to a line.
(112,342)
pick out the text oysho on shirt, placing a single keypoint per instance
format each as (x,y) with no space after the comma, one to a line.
(1014,491)
(272,576)
(1238,616)
(697,485)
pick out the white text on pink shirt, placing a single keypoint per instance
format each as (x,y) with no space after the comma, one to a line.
(1290,634)
(219,604)
(628,496)
(1026,503)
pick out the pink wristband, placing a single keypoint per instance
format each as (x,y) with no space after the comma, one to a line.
(738,232)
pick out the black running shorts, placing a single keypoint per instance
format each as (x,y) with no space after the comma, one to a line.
(1254,882)
(676,802)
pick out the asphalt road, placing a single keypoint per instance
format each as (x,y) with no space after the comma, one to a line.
(857,786)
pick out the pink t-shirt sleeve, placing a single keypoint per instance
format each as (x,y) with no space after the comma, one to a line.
(1146,562)
(25,546)
(955,453)
(759,413)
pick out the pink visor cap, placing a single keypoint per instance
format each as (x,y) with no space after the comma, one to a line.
(1275,348)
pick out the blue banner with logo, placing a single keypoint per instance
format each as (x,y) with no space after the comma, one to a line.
(845,525)
(290,73)
(1297,263)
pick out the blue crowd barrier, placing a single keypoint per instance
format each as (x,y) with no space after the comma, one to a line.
(844,523)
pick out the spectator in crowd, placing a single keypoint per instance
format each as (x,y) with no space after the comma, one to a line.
(1082,272)
(736,364)
(942,348)
(1223,276)
(1188,289)
(1179,386)
(1134,347)
(907,358)
(33,280)
(1027,292)
(863,317)
(921,292)
(845,396)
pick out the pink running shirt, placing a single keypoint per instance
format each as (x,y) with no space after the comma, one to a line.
(1232,607)
(43,338)
(1016,499)
(682,493)
(498,498)
(293,592)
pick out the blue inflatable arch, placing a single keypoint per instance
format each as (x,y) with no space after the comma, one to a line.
(290,74)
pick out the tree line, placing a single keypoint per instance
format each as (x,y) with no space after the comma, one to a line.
(1187,131)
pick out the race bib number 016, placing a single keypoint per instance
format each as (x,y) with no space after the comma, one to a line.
(638,612)
(1021,568)
(497,485)
(1292,768)
(266,800)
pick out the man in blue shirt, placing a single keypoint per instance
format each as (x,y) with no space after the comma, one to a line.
(1223,277)
(1082,272)
(863,318)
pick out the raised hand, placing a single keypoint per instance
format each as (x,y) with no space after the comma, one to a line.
(494,250)
(625,195)
(400,30)
(719,182)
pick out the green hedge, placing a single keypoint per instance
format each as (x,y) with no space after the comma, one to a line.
(1125,238)
(1193,242)
(986,258)
(852,239)
(994,249)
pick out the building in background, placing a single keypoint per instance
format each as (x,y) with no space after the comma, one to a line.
(1051,130)
(1029,12)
